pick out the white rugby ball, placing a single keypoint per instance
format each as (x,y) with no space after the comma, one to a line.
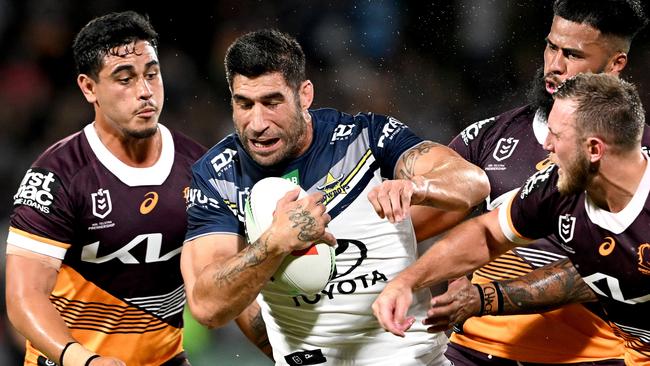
(302,272)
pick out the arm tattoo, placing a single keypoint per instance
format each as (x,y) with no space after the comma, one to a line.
(410,158)
(307,223)
(546,288)
(250,256)
(258,327)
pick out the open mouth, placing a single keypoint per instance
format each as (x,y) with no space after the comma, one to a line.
(264,146)
(551,87)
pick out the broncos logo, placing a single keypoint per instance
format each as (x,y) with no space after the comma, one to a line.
(644,258)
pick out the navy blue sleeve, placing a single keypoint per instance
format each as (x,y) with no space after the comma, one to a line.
(389,139)
(207,211)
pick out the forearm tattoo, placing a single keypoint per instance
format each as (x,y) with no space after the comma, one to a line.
(545,289)
(307,224)
(250,256)
(410,158)
(261,338)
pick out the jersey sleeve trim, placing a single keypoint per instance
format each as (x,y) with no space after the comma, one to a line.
(187,240)
(37,244)
(505,221)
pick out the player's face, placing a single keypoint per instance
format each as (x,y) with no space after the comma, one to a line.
(566,148)
(269,118)
(573,48)
(129,95)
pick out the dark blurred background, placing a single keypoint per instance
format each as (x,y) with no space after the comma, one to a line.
(435,65)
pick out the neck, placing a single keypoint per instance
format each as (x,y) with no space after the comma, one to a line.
(617,180)
(134,152)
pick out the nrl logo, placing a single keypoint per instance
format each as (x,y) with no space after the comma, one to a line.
(505,148)
(566,225)
(102,205)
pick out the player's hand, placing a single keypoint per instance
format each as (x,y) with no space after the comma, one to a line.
(107,361)
(460,302)
(391,306)
(299,223)
(392,199)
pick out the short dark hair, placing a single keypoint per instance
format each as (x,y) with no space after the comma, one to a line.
(266,51)
(622,18)
(608,107)
(101,35)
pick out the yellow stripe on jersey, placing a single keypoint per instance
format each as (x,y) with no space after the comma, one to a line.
(352,174)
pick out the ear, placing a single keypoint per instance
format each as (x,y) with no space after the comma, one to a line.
(87,86)
(595,149)
(617,63)
(306,93)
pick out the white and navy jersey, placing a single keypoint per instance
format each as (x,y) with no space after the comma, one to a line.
(349,156)
(609,250)
(509,147)
(119,232)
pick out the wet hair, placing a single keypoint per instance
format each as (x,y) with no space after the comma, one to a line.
(622,18)
(266,51)
(608,107)
(103,34)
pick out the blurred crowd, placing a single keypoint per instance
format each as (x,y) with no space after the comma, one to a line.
(435,65)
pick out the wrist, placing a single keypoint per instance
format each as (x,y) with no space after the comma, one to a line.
(491,298)
(74,354)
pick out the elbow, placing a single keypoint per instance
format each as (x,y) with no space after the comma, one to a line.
(479,189)
(209,316)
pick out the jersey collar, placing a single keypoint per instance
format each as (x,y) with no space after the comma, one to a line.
(150,176)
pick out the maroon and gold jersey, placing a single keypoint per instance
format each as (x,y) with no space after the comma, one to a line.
(509,148)
(119,232)
(609,250)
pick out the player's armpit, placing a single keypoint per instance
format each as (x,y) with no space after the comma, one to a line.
(442,178)
(544,289)
(252,325)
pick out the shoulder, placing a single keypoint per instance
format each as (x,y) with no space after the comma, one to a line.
(186,146)
(496,125)
(220,155)
(66,157)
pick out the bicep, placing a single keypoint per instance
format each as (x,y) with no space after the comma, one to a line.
(423,158)
(28,271)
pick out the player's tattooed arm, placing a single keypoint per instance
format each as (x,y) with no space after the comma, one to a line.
(430,174)
(544,289)
(306,223)
(251,256)
(252,325)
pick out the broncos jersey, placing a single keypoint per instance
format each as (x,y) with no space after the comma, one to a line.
(349,156)
(609,250)
(119,232)
(509,148)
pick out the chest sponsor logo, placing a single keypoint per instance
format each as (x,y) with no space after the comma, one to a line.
(353,279)
(566,226)
(102,205)
(470,132)
(37,189)
(150,201)
(644,258)
(390,130)
(609,286)
(505,148)
(223,160)
(342,132)
(153,241)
